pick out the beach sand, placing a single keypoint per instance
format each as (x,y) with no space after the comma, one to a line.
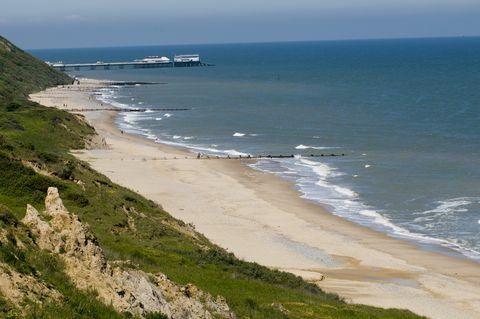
(261,217)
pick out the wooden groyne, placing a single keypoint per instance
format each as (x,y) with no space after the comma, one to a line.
(205,156)
(218,157)
(131,83)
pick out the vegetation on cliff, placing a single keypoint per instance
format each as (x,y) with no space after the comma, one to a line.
(35,142)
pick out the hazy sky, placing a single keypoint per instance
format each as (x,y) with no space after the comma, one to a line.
(85,23)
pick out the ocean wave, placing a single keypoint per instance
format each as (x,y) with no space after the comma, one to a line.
(130,118)
(445,208)
(235,153)
(320,169)
(305,147)
(179,137)
(167,115)
(158,119)
(237,134)
(203,149)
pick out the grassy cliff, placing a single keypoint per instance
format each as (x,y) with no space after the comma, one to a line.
(34,146)
(21,74)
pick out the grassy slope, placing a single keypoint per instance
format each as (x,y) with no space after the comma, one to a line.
(158,244)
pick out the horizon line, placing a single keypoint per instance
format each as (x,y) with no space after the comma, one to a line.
(260,42)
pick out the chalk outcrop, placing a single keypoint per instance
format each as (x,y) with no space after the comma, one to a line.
(17,287)
(126,289)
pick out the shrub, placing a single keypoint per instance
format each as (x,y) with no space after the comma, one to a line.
(67,171)
(7,218)
(78,199)
(13,106)
(48,157)
(155,315)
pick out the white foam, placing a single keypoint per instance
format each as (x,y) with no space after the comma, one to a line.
(167,115)
(130,118)
(345,191)
(320,169)
(158,119)
(237,134)
(381,220)
(235,153)
(304,147)
(446,208)
(208,150)
(367,165)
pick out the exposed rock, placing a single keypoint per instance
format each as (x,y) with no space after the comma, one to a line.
(127,290)
(95,142)
(130,219)
(37,168)
(186,229)
(17,287)
(279,307)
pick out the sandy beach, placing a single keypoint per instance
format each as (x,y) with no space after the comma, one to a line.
(262,218)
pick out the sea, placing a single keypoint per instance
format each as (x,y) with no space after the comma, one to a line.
(405,113)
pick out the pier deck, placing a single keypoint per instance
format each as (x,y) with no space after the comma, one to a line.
(122,65)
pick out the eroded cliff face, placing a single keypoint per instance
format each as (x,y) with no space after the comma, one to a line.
(117,283)
(16,287)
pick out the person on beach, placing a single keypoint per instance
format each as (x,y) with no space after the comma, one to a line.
(198,156)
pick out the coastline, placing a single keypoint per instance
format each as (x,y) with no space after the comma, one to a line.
(261,217)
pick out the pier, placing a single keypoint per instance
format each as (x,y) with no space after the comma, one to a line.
(123,65)
(117,109)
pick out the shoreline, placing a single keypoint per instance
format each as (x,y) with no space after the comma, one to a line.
(261,217)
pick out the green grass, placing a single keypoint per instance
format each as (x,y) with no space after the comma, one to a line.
(43,137)
(21,74)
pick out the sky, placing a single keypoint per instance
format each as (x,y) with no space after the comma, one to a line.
(34,24)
